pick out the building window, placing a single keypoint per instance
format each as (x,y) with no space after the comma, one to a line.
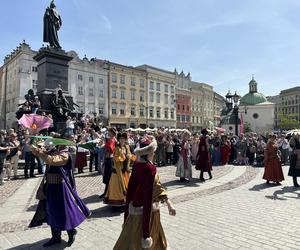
(34,84)
(114,77)
(183,107)
(151,97)
(151,85)
(188,118)
(33,69)
(172,113)
(188,108)
(80,90)
(91,92)
(183,118)
(172,90)
(166,99)
(122,109)
(101,109)
(101,81)
(166,113)
(122,79)
(178,118)
(81,107)
(79,77)
(158,86)
(132,95)
(113,93)
(123,94)
(132,111)
(132,82)
(178,107)
(166,88)
(158,98)
(114,109)
(142,111)
(142,83)
(151,112)
(158,113)
(101,93)
(91,79)
(142,96)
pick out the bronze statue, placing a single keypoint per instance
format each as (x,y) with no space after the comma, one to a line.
(52,23)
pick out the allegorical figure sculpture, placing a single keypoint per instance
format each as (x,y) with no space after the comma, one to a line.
(52,23)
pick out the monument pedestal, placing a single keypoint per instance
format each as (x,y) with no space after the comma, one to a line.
(53,75)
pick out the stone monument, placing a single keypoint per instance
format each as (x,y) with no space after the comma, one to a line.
(53,68)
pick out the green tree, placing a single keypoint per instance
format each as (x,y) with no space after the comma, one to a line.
(288,121)
(247,127)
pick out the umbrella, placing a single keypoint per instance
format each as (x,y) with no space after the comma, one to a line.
(220,130)
(293,132)
(89,145)
(55,141)
(35,123)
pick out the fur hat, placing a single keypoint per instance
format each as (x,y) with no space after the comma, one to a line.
(148,145)
(204,131)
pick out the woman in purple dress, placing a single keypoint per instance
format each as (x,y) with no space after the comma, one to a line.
(63,209)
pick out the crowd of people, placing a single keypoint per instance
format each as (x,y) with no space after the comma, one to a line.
(128,161)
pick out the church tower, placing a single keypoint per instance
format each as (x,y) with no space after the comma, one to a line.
(252,86)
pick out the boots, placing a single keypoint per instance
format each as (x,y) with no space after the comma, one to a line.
(56,238)
(72,233)
(201,176)
(295,181)
(210,175)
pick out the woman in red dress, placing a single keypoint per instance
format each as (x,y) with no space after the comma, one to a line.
(273,170)
(225,150)
(203,156)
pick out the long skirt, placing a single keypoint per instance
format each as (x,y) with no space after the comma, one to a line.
(273,170)
(108,163)
(132,233)
(181,171)
(81,160)
(116,195)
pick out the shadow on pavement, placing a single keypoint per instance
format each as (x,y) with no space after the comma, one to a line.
(91,199)
(191,183)
(39,245)
(106,211)
(283,194)
(261,186)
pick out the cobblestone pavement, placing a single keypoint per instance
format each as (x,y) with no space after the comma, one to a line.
(235,210)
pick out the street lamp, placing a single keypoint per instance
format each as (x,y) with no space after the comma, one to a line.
(236,98)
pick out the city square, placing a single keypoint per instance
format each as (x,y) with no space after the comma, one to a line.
(175,132)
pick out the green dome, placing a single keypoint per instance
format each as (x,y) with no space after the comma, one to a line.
(252,99)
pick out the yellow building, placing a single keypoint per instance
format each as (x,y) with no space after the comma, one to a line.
(127,95)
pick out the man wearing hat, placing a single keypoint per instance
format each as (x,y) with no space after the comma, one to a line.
(110,146)
(64,210)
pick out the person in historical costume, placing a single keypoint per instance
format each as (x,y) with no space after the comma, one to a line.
(184,165)
(225,150)
(59,205)
(142,228)
(52,23)
(273,170)
(194,148)
(109,146)
(294,169)
(118,183)
(203,156)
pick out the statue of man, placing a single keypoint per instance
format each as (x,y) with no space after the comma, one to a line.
(52,23)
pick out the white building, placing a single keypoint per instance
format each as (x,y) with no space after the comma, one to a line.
(87,83)
(256,110)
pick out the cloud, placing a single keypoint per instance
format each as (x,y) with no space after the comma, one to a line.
(107,23)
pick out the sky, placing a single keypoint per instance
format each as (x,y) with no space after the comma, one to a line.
(220,42)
